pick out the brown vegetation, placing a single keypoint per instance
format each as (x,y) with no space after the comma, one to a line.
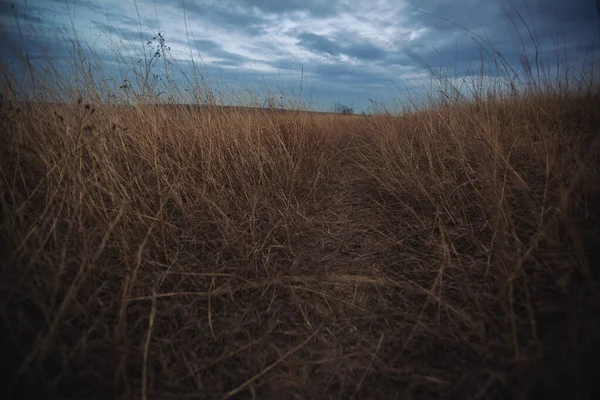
(159,252)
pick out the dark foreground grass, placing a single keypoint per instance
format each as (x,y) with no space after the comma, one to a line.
(161,252)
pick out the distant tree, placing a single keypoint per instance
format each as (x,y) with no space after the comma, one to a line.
(339,108)
(272,102)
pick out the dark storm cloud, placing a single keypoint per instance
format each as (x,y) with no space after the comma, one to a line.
(7,9)
(462,35)
(123,32)
(315,8)
(116,18)
(13,13)
(319,44)
(225,15)
(575,12)
(215,50)
(347,73)
(363,50)
(471,14)
(79,3)
(506,27)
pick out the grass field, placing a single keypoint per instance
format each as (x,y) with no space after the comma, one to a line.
(169,252)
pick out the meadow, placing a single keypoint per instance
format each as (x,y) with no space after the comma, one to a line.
(152,251)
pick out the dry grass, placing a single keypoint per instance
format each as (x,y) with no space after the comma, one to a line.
(162,252)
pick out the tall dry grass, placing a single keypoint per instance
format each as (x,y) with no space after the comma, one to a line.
(158,251)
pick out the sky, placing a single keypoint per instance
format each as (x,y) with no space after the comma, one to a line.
(349,52)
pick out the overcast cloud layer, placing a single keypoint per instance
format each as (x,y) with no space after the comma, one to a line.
(349,51)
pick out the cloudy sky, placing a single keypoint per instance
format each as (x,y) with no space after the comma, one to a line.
(343,51)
